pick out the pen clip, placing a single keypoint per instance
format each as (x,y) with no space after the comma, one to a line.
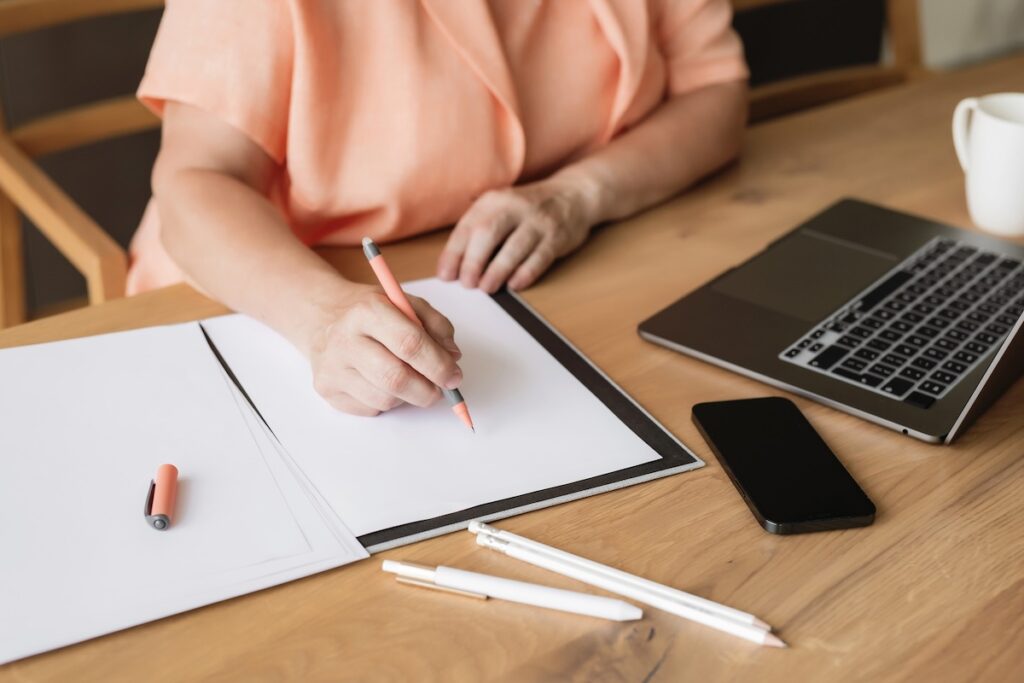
(444,589)
(158,522)
(499,544)
(147,508)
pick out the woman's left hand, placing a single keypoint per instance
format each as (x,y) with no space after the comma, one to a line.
(514,235)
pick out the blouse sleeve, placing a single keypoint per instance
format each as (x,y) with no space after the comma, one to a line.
(231,58)
(699,44)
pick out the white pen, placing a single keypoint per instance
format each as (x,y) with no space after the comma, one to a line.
(745,631)
(687,599)
(484,585)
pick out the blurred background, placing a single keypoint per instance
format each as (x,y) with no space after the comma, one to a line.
(46,71)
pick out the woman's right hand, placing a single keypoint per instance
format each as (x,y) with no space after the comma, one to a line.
(211,184)
(367,357)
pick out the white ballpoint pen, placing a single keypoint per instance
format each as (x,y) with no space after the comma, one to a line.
(745,631)
(688,599)
(484,585)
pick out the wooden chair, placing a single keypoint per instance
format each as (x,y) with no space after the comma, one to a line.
(803,92)
(25,187)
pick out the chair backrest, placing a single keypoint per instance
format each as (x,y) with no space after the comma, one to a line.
(84,124)
(902,30)
(25,187)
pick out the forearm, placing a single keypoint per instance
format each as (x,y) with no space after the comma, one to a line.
(686,138)
(233,243)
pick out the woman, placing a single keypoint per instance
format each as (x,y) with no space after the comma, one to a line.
(289,123)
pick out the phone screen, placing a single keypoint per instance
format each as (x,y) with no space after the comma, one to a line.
(783,469)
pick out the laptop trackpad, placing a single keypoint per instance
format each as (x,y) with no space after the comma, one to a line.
(806,276)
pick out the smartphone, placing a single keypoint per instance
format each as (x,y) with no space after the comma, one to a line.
(788,476)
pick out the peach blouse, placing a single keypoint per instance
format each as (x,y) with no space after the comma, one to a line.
(388,117)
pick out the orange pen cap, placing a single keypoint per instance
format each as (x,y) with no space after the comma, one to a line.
(163,491)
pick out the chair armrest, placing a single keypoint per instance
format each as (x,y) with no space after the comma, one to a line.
(92,252)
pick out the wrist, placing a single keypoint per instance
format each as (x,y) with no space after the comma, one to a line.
(586,191)
(320,307)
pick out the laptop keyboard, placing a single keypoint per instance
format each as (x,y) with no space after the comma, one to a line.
(914,334)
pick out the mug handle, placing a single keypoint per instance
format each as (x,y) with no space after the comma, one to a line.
(961,128)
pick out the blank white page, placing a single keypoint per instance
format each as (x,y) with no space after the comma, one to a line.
(83,426)
(536,425)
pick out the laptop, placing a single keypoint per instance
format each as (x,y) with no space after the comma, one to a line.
(908,323)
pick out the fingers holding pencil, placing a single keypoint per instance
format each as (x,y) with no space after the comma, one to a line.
(393,290)
(369,357)
(438,326)
(417,349)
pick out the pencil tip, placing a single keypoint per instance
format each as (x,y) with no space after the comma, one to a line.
(462,411)
(774,641)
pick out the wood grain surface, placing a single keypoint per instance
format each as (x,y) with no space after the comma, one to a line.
(933,591)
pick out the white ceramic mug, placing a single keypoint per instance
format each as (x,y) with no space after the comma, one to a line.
(988,133)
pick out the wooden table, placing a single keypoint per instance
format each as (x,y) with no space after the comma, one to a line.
(934,590)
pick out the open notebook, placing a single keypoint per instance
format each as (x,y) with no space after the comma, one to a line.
(274,483)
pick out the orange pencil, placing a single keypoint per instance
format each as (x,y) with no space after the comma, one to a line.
(397,297)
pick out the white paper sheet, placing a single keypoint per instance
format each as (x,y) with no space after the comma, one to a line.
(326,533)
(537,426)
(85,424)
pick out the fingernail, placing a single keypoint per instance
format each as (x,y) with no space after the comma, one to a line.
(455,380)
